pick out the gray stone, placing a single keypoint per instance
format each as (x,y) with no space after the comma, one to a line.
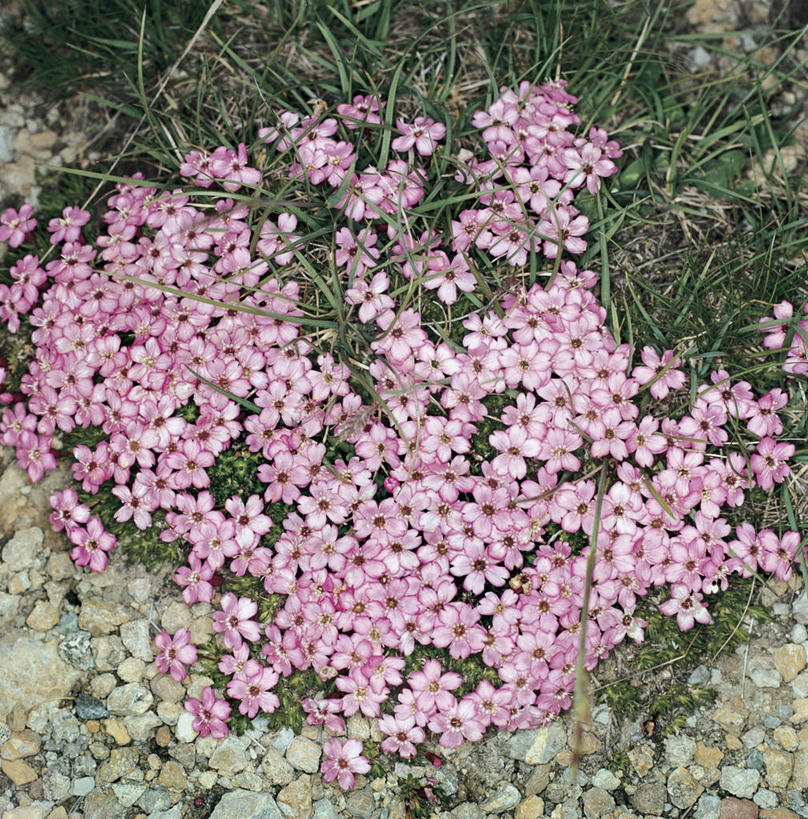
(765,677)
(568,809)
(89,707)
(683,789)
(55,784)
(605,779)
(505,797)
(37,675)
(679,750)
(75,648)
(446,777)
(283,739)
(6,140)
(650,798)
(602,714)
(766,799)
(700,676)
(537,746)
(708,807)
(127,793)
(171,813)
(566,786)
(22,550)
(129,700)
(700,58)
(243,804)
(230,756)
(9,606)
(795,801)
(323,809)
(739,781)
(800,685)
(755,761)
(466,810)
(142,726)
(597,802)
(799,634)
(83,785)
(785,711)
(184,729)
(800,609)
(154,799)
(276,768)
(360,804)
(753,737)
(135,636)
(304,755)
(102,805)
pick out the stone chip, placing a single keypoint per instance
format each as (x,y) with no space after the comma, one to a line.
(37,675)
(304,755)
(240,803)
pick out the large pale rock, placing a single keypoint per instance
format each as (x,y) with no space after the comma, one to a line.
(241,803)
(32,673)
(23,549)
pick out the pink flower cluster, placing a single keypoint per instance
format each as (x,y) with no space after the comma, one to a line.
(782,330)
(412,538)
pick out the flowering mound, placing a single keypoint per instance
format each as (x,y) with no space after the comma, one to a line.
(432,456)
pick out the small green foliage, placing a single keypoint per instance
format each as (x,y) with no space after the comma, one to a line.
(235,472)
(17,353)
(137,545)
(668,648)
(481,449)
(472,669)
(618,762)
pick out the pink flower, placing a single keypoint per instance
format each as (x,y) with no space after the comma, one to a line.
(402,735)
(770,462)
(586,166)
(659,372)
(195,577)
(460,721)
(687,606)
(92,544)
(68,227)
(234,620)
(341,760)
(67,511)
(778,554)
(254,691)
(363,111)
(422,133)
(175,653)
(211,714)
(431,688)
(16,225)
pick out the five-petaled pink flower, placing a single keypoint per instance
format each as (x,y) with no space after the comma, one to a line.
(176,653)
(341,760)
(211,714)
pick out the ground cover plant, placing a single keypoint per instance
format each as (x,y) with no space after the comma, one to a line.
(356,372)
